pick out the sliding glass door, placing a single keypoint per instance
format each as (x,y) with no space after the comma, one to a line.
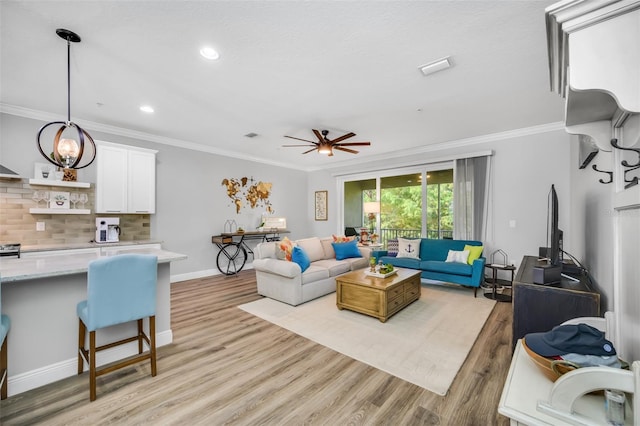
(401,206)
(416,202)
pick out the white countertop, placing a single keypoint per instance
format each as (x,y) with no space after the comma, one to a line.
(58,262)
(74,246)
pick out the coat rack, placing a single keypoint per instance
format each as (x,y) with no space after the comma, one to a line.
(629,167)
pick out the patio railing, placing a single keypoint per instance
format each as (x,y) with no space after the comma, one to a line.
(389,233)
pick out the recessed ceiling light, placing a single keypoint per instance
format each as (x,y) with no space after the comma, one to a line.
(146,108)
(435,66)
(209,53)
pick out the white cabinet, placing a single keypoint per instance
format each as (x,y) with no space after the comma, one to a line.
(126,179)
(141,194)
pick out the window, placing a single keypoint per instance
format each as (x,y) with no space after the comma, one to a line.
(408,206)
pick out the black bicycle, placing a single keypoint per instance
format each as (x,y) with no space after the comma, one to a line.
(233,253)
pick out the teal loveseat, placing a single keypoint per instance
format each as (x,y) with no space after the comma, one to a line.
(433,254)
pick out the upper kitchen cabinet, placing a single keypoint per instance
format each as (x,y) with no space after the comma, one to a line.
(594,62)
(126,179)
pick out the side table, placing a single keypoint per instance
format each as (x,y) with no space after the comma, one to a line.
(494,280)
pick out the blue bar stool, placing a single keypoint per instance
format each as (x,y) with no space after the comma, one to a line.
(120,289)
(5,324)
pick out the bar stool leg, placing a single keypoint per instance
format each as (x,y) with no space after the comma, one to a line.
(3,369)
(92,365)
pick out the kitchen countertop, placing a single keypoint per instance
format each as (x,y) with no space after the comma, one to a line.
(73,259)
(53,247)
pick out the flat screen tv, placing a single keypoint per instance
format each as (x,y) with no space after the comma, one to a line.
(554,234)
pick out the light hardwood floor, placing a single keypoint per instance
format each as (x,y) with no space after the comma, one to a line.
(229,367)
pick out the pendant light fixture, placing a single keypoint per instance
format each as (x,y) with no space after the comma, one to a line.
(66,152)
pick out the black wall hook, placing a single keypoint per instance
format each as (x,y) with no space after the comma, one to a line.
(595,167)
(629,167)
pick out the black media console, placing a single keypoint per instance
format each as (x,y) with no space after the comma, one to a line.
(539,308)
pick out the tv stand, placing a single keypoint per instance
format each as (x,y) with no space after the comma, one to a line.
(539,308)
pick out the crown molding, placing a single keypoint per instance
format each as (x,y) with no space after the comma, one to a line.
(452,144)
(120,131)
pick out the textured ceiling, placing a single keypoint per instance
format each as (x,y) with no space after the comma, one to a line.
(285,67)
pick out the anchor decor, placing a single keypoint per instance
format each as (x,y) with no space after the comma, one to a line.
(628,166)
(408,249)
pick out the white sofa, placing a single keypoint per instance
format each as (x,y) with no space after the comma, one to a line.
(284,281)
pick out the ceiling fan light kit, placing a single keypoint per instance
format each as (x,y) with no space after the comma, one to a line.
(324,145)
(66,152)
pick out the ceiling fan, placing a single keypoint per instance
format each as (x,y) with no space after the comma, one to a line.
(324,145)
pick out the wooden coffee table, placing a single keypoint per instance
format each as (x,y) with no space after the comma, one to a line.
(378,297)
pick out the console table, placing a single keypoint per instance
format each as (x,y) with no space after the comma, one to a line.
(539,308)
(530,398)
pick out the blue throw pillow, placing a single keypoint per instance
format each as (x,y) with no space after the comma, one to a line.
(346,250)
(301,258)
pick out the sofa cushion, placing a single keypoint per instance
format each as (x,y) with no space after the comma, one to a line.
(343,239)
(328,248)
(284,249)
(456,256)
(446,267)
(314,273)
(409,248)
(431,249)
(335,267)
(392,247)
(358,262)
(346,250)
(402,262)
(313,247)
(474,253)
(299,256)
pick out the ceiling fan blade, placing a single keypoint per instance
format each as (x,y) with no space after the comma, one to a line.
(352,151)
(312,149)
(343,137)
(353,144)
(298,145)
(318,135)
(304,140)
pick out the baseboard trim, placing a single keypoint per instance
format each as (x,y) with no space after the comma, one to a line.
(201,274)
(67,368)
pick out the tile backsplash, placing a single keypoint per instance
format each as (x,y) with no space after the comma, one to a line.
(17,225)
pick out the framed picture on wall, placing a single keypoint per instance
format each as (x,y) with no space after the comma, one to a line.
(321,205)
(58,200)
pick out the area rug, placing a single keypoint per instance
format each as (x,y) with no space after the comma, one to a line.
(425,344)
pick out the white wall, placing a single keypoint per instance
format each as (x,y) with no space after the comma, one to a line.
(192,204)
(524,167)
(592,219)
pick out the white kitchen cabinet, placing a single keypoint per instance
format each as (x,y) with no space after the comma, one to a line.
(126,179)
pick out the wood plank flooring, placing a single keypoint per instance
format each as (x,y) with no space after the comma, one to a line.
(229,367)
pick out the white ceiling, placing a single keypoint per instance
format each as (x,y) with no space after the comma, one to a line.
(286,67)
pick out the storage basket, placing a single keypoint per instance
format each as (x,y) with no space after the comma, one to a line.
(550,367)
